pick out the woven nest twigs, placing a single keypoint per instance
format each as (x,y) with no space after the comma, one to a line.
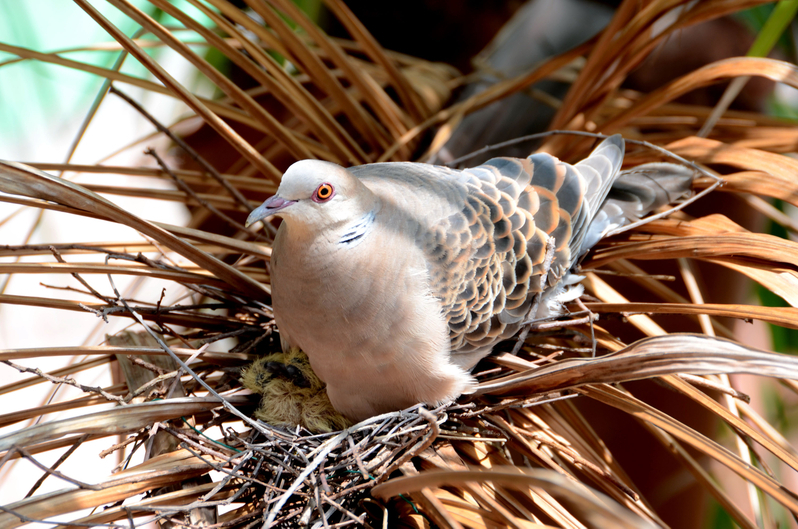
(550,437)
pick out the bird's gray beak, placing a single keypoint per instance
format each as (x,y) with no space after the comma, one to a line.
(271,206)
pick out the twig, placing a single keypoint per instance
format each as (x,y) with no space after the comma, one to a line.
(715,386)
(235,193)
(65,380)
(80,279)
(225,403)
(420,447)
(204,203)
(28,519)
(119,446)
(53,472)
(55,465)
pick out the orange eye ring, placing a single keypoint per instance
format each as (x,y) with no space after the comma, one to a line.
(323,193)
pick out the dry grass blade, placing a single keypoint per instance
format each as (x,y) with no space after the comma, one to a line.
(81,403)
(778,71)
(482,99)
(633,33)
(223,110)
(214,357)
(194,319)
(301,54)
(388,113)
(114,421)
(153,474)
(91,268)
(752,245)
(221,241)
(276,80)
(783,316)
(407,94)
(650,357)
(339,138)
(238,95)
(224,130)
(785,454)
(192,177)
(592,506)
(162,502)
(24,180)
(761,172)
(637,408)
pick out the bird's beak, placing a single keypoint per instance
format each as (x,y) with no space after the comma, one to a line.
(271,206)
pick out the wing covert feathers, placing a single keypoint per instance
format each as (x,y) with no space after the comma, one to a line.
(490,270)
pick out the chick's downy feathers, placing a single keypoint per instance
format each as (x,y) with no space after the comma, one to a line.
(396,278)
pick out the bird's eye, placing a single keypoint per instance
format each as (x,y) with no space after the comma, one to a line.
(323,193)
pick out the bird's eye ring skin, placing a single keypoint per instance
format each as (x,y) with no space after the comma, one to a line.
(323,193)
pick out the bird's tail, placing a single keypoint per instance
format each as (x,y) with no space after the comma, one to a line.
(634,194)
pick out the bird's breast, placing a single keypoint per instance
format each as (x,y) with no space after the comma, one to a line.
(338,296)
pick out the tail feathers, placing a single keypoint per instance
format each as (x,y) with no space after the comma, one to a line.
(647,187)
(636,193)
(598,172)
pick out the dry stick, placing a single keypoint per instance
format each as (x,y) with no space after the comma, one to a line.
(152,383)
(709,384)
(321,453)
(65,380)
(28,519)
(420,447)
(53,472)
(119,446)
(225,403)
(235,193)
(347,512)
(80,279)
(204,203)
(205,498)
(219,468)
(151,367)
(55,465)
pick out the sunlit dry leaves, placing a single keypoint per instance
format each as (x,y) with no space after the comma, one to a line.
(650,357)
(153,474)
(590,505)
(26,181)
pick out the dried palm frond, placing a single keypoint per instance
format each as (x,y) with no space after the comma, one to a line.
(538,444)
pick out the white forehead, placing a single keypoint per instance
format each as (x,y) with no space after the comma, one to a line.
(304,176)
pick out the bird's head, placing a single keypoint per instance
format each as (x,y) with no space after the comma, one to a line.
(315,193)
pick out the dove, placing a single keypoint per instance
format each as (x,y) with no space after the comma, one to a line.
(397,278)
